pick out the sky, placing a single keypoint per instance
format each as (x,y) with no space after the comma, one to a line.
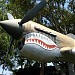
(5,72)
(66,4)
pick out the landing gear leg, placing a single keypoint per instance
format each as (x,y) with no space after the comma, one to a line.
(71,69)
(42,69)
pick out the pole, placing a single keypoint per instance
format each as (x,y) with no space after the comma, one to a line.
(42,68)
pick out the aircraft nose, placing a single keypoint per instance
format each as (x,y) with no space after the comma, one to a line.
(12,28)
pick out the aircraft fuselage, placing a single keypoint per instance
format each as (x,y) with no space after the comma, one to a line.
(38,46)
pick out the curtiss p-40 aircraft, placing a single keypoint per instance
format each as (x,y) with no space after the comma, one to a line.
(37,41)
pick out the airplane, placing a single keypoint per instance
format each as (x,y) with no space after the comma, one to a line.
(38,42)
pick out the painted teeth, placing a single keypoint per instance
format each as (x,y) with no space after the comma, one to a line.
(39,42)
(36,38)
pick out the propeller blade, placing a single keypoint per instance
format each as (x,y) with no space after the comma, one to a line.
(11,42)
(10,17)
(33,12)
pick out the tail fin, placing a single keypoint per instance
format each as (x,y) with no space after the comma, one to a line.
(10,17)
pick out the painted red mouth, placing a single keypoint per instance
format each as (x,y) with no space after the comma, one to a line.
(41,43)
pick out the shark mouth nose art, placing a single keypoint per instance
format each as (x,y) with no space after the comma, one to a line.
(41,40)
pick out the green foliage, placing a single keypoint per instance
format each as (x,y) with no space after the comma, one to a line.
(60,19)
(21,7)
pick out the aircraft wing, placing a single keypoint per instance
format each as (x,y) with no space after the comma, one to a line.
(64,47)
